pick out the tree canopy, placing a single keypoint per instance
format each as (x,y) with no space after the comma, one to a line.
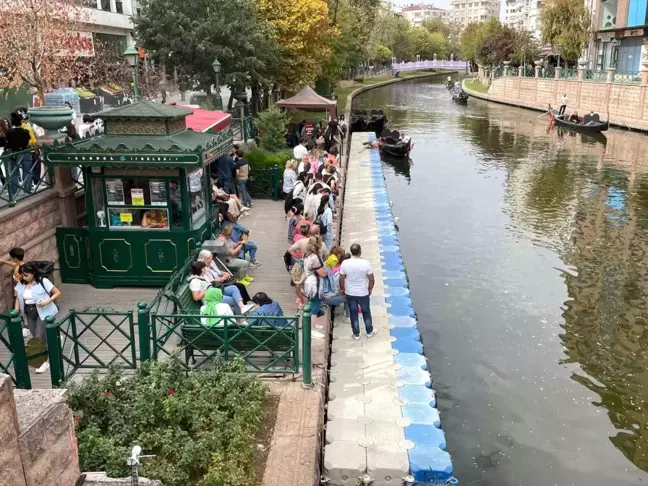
(566,22)
(190,35)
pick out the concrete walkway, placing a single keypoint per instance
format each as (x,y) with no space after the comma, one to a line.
(383,427)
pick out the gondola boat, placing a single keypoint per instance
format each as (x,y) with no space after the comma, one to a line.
(394,144)
(359,121)
(377,121)
(460,97)
(591,122)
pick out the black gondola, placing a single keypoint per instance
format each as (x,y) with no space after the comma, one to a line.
(460,97)
(394,144)
(377,121)
(591,122)
(359,121)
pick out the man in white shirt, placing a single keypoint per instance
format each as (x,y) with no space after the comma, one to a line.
(300,151)
(563,104)
(357,282)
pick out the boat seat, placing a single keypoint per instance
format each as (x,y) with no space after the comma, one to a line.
(594,118)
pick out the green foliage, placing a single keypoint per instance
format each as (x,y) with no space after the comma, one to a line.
(272,127)
(189,35)
(526,48)
(436,25)
(566,22)
(474,35)
(262,159)
(427,45)
(197,425)
(497,47)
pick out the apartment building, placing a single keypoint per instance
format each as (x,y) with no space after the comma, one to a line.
(619,35)
(416,14)
(111,20)
(524,15)
(464,12)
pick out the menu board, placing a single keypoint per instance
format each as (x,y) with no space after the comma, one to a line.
(158,193)
(115,192)
(137,197)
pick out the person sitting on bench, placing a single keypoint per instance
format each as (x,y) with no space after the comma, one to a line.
(201,280)
(219,278)
(214,307)
(266,307)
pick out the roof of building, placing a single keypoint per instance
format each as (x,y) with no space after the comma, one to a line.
(144,110)
(415,8)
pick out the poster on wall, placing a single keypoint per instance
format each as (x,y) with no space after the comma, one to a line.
(137,197)
(158,193)
(115,192)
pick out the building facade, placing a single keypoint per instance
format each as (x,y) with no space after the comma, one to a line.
(464,12)
(111,20)
(524,15)
(416,14)
(619,35)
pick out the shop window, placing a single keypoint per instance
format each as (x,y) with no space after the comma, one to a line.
(197,196)
(152,218)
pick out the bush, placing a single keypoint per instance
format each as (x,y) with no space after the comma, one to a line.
(262,159)
(200,426)
(272,127)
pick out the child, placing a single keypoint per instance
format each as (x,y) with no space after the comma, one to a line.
(16,257)
(15,260)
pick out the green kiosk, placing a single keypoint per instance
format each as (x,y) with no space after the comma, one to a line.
(147,196)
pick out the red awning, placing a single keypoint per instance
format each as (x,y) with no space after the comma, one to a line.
(206,120)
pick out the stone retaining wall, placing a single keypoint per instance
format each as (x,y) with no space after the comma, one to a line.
(626,104)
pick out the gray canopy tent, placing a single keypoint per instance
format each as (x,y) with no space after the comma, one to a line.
(308,99)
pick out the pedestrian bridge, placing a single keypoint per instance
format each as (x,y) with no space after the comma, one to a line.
(398,67)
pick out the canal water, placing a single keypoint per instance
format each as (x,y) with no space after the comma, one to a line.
(527,254)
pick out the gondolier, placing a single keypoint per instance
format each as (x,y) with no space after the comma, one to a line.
(563,104)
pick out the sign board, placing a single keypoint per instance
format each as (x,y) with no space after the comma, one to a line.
(115,192)
(158,193)
(126,217)
(634,33)
(137,197)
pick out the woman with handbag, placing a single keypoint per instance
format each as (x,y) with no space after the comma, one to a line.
(201,280)
(314,271)
(35,297)
(221,279)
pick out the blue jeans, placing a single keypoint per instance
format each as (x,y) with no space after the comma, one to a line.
(353,302)
(237,230)
(243,193)
(231,297)
(17,162)
(249,248)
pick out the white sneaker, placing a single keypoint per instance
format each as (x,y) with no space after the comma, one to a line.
(26,333)
(372,333)
(247,308)
(317,335)
(245,208)
(355,338)
(255,263)
(43,368)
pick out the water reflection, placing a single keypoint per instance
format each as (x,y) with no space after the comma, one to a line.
(529,275)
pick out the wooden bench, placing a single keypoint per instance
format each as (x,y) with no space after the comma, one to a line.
(258,339)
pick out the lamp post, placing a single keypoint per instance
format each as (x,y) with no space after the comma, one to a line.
(131,56)
(218,101)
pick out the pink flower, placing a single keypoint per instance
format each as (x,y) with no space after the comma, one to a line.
(171,392)
(107,394)
(77,419)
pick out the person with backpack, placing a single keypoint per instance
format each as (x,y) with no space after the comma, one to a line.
(324,220)
(35,297)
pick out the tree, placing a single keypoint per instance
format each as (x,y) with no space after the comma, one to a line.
(304,32)
(189,35)
(436,25)
(473,37)
(566,22)
(427,45)
(497,47)
(272,126)
(526,48)
(39,39)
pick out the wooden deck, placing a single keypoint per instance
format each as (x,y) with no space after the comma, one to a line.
(267,229)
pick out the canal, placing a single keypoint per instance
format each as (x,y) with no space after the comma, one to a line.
(527,254)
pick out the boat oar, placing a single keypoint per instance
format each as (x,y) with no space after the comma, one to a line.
(542,114)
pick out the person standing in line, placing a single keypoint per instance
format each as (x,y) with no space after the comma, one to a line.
(357,282)
(242,175)
(224,167)
(563,104)
(300,151)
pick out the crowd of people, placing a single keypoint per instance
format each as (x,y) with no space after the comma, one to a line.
(322,273)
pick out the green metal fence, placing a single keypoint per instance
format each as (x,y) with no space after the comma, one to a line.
(90,339)
(568,73)
(266,344)
(264,183)
(13,355)
(23,175)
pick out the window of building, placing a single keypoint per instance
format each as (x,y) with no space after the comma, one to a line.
(637,13)
(119,7)
(105,5)
(197,196)
(608,14)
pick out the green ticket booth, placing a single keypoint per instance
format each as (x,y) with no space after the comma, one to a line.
(147,195)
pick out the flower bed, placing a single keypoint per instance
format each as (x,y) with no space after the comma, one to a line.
(199,426)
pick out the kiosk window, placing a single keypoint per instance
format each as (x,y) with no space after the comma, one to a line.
(176,203)
(197,198)
(124,218)
(136,192)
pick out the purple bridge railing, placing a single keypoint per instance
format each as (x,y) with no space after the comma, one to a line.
(419,65)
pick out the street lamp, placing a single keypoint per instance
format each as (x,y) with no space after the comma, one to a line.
(131,56)
(559,49)
(218,101)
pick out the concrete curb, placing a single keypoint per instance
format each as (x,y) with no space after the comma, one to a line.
(541,107)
